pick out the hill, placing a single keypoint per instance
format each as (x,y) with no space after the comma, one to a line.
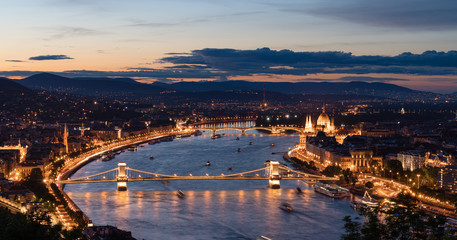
(89,86)
(9,85)
(127,87)
(350,88)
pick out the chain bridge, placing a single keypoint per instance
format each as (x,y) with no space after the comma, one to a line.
(272,171)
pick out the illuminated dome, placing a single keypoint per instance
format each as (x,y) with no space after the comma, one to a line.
(323,119)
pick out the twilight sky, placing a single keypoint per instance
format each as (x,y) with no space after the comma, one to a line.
(406,42)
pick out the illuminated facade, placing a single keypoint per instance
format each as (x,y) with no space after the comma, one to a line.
(447,178)
(323,124)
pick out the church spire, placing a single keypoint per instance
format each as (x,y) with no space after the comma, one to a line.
(65,138)
(309,124)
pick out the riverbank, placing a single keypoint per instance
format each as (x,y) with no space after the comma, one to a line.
(300,164)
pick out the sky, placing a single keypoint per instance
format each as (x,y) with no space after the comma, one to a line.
(410,43)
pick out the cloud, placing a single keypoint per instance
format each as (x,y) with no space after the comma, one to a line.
(264,60)
(405,14)
(69,32)
(358,78)
(226,63)
(50,57)
(14,60)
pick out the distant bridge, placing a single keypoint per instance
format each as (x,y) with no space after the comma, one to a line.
(273,130)
(273,172)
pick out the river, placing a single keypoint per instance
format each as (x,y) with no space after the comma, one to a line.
(222,209)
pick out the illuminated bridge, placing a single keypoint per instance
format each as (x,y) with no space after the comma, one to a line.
(273,130)
(272,171)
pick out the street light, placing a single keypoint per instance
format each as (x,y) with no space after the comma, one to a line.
(418,177)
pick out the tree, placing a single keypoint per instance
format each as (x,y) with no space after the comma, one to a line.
(369,184)
(352,229)
(349,176)
(331,171)
(33,226)
(404,221)
(35,183)
(395,166)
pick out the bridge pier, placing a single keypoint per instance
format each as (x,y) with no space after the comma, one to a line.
(275,176)
(214,131)
(121,177)
(243,132)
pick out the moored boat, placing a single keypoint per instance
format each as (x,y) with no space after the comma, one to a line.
(331,190)
(108,157)
(366,202)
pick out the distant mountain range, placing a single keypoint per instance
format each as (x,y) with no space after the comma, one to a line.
(10,85)
(89,86)
(129,87)
(342,88)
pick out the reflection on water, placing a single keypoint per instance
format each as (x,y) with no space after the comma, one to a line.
(220,209)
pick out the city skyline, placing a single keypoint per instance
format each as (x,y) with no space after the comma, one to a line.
(213,40)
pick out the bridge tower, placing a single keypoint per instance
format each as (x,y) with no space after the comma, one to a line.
(122,178)
(275,176)
(274,130)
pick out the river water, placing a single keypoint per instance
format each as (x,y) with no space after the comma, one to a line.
(222,209)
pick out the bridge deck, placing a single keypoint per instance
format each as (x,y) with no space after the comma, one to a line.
(198,178)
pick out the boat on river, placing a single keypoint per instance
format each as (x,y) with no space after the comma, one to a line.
(286,207)
(331,190)
(151,157)
(133,148)
(250,143)
(263,238)
(239,149)
(208,163)
(215,136)
(154,141)
(180,194)
(166,139)
(237,138)
(366,202)
(108,157)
